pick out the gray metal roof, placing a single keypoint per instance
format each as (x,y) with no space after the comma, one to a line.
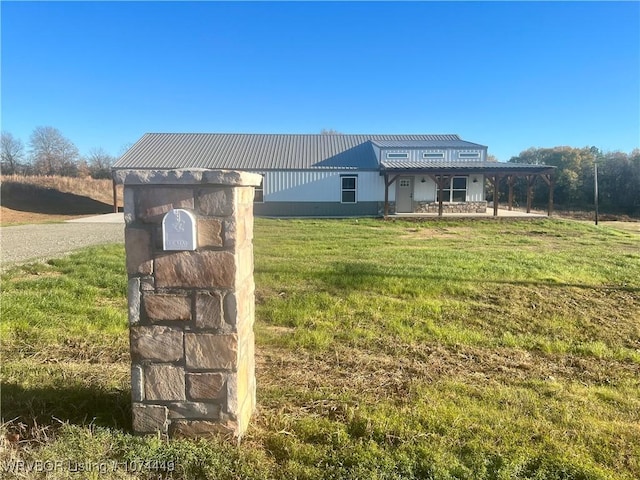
(435,143)
(266,151)
(461,165)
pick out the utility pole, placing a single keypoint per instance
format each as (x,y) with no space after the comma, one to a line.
(595,190)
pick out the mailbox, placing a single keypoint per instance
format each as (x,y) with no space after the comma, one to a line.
(179,230)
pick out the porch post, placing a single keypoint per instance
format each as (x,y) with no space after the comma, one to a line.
(530,181)
(386,195)
(548,178)
(495,181)
(115,195)
(551,186)
(440,194)
(510,181)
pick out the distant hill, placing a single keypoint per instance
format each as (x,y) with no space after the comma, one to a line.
(51,198)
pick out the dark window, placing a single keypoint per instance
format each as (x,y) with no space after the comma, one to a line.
(397,155)
(349,188)
(258,196)
(455,190)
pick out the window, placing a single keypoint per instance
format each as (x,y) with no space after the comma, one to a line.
(405,182)
(349,187)
(469,155)
(455,191)
(258,196)
(397,155)
(433,155)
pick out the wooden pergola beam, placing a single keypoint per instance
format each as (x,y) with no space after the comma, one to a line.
(510,181)
(548,178)
(495,181)
(440,181)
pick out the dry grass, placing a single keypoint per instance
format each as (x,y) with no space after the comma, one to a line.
(42,199)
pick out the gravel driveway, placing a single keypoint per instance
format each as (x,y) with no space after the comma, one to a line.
(24,243)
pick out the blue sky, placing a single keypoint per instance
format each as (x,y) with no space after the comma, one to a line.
(510,75)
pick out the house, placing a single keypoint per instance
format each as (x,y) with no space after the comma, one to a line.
(342,175)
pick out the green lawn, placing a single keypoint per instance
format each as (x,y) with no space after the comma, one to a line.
(441,349)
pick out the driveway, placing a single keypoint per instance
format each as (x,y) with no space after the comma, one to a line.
(40,242)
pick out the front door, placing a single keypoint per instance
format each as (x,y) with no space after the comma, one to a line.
(404,195)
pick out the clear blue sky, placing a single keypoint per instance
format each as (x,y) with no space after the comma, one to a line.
(510,75)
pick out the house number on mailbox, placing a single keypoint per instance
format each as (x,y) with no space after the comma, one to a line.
(178,230)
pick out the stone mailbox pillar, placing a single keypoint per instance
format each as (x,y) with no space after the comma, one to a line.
(191,311)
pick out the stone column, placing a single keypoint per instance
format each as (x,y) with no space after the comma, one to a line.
(191,313)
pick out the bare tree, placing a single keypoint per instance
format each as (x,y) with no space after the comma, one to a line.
(329,131)
(52,153)
(12,153)
(99,162)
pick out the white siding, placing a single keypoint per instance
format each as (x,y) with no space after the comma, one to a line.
(427,191)
(450,154)
(475,191)
(424,192)
(319,186)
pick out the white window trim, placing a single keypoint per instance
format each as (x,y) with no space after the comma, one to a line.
(404,155)
(432,155)
(450,189)
(355,190)
(468,155)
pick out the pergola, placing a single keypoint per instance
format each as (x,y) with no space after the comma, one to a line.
(495,172)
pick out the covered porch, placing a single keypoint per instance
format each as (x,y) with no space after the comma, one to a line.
(460,188)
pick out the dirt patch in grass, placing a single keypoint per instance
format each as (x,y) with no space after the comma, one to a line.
(437,232)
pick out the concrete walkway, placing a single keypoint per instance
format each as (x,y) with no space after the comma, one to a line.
(104,218)
(503,213)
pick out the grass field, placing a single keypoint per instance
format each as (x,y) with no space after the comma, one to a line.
(443,349)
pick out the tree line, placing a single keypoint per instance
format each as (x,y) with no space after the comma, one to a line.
(49,152)
(618,178)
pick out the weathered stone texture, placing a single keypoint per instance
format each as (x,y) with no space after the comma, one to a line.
(209,232)
(206,386)
(167,307)
(211,352)
(129,206)
(191,176)
(205,269)
(215,201)
(156,343)
(456,207)
(245,195)
(244,264)
(194,410)
(147,284)
(164,382)
(149,418)
(237,305)
(202,428)
(208,310)
(133,300)
(137,383)
(153,203)
(139,257)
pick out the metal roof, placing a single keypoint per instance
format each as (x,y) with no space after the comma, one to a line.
(435,143)
(266,151)
(461,165)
